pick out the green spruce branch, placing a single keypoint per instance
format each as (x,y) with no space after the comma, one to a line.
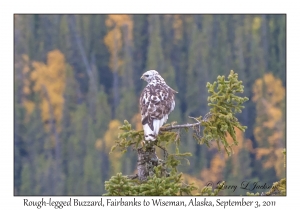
(217,124)
(160,176)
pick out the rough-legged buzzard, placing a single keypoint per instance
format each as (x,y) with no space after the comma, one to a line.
(157,101)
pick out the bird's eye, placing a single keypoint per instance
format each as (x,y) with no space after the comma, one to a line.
(146,75)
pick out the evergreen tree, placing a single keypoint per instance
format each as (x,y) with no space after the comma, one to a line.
(160,176)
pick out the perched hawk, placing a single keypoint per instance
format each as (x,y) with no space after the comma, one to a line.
(157,101)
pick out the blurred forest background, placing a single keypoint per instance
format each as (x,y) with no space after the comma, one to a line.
(77,77)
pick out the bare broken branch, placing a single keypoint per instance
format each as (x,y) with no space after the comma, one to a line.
(194,118)
(132,176)
(172,127)
(188,125)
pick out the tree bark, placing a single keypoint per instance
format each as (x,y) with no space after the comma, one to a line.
(116,95)
(72,26)
(146,161)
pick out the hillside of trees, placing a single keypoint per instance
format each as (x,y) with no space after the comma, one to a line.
(77,78)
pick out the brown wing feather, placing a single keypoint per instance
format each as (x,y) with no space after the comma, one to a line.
(155,102)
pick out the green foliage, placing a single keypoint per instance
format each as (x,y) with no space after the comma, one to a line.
(128,137)
(131,137)
(278,188)
(220,121)
(120,185)
(155,185)
(224,105)
(252,194)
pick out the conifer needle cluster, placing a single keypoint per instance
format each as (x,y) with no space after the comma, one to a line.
(164,178)
(224,103)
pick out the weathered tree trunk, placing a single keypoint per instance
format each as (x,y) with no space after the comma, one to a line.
(72,26)
(146,161)
(116,94)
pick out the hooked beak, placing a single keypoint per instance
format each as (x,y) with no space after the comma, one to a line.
(142,77)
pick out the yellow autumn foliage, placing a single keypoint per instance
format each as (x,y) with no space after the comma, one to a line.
(23,66)
(106,144)
(28,104)
(242,143)
(219,161)
(99,144)
(256,23)
(269,96)
(215,172)
(111,134)
(268,88)
(136,120)
(118,21)
(26,68)
(178,28)
(49,81)
(113,39)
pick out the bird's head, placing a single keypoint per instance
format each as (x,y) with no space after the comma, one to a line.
(149,76)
